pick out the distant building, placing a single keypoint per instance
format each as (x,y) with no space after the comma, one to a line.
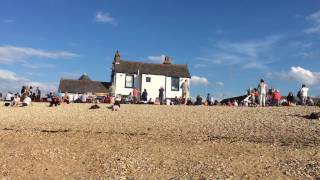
(84,85)
(129,74)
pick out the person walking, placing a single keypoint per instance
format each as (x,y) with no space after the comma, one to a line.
(262,89)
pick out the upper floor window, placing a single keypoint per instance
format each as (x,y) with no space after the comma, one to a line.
(148,79)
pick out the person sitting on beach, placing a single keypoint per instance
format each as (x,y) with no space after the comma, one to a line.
(83,98)
(55,100)
(66,98)
(26,101)
(9,97)
(175,101)
(276,98)
(157,101)
(129,99)
(235,103)
(144,96)
(117,102)
(309,101)
(189,102)
(291,100)
(198,100)
(16,100)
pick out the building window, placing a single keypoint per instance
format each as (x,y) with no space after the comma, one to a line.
(175,83)
(129,81)
(148,79)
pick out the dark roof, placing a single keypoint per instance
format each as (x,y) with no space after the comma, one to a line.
(83,86)
(131,67)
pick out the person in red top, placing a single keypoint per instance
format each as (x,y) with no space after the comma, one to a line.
(276,97)
(136,95)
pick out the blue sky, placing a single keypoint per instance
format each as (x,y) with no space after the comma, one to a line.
(228,45)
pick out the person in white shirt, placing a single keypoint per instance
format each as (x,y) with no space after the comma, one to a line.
(9,96)
(262,88)
(304,94)
(84,98)
(75,97)
(16,100)
(26,101)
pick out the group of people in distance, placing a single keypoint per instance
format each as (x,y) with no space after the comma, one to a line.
(60,98)
(24,98)
(261,96)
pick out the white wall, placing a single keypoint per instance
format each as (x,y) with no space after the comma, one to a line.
(172,94)
(120,79)
(152,87)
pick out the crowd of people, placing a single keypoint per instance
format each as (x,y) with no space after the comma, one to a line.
(24,98)
(263,96)
(260,96)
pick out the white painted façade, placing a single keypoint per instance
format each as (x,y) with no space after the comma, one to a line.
(127,75)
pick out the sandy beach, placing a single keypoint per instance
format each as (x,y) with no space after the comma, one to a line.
(158,142)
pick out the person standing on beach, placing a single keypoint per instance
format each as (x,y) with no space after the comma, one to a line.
(38,94)
(304,94)
(135,95)
(185,91)
(161,94)
(144,96)
(262,88)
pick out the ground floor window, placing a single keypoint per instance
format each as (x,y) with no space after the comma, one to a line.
(175,83)
(129,81)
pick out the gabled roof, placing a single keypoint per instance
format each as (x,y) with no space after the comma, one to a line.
(83,86)
(172,70)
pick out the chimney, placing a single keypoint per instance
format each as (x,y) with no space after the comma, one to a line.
(167,60)
(117,58)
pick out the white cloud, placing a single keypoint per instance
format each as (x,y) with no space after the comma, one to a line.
(70,75)
(104,18)
(219,83)
(302,76)
(156,59)
(315,20)
(254,65)
(197,66)
(8,21)
(38,66)
(197,80)
(11,54)
(248,54)
(10,81)
(6,75)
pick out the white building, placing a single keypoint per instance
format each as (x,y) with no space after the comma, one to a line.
(128,74)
